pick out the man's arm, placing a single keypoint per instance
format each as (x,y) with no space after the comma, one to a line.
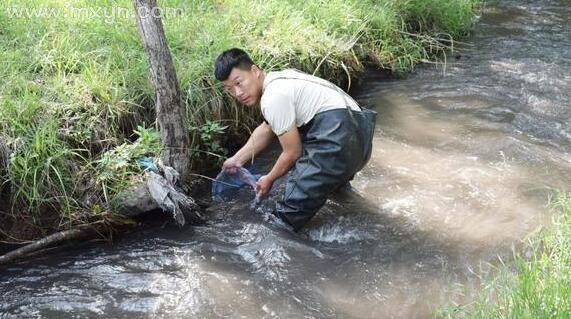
(258,141)
(291,151)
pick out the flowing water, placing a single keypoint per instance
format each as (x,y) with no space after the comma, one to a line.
(465,158)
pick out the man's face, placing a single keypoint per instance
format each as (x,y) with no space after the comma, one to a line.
(245,85)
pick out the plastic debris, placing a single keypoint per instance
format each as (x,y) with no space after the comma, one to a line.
(164,192)
(147,164)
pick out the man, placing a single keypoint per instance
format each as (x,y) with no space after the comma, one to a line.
(318,127)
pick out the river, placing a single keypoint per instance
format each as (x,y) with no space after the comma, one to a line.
(465,158)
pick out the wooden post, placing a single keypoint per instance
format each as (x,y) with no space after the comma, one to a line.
(171,115)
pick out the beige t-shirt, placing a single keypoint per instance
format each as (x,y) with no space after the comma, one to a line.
(289,102)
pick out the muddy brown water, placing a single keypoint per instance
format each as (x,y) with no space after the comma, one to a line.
(465,159)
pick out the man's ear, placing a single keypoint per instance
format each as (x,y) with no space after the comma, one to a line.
(257,71)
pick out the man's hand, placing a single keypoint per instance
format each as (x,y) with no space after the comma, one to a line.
(291,151)
(231,165)
(263,186)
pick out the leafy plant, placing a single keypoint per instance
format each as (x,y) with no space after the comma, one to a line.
(209,134)
(117,167)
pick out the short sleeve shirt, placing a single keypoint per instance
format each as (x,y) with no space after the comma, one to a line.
(292,98)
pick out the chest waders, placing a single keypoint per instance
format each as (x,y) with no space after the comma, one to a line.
(336,145)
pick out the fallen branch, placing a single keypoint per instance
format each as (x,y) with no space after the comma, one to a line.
(53,239)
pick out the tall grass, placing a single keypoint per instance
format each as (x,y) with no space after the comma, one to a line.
(538,284)
(73,90)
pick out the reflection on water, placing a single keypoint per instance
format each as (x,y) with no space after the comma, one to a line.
(464,161)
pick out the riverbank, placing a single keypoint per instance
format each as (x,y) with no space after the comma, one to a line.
(76,105)
(538,283)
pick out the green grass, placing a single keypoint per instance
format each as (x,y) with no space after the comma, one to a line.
(538,284)
(74,89)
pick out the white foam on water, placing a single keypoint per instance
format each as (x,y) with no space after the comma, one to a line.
(338,233)
(269,259)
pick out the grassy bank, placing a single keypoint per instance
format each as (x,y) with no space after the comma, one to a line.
(76,104)
(538,284)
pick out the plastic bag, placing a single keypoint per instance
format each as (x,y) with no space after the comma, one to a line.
(227,185)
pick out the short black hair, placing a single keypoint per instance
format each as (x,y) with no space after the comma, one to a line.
(230,59)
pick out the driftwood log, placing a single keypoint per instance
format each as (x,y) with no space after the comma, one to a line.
(80,233)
